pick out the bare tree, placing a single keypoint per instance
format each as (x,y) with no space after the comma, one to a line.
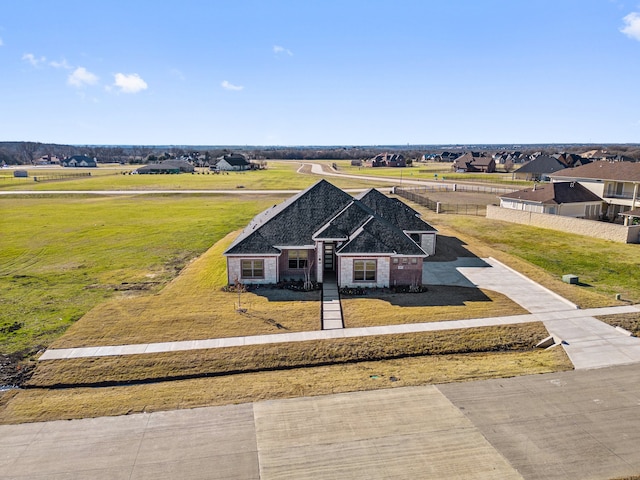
(27,151)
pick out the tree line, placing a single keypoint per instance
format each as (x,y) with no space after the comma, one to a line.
(27,153)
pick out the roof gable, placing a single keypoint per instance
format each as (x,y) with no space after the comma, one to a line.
(379,236)
(294,221)
(395,211)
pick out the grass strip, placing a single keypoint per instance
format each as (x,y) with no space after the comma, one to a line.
(145,368)
(39,404)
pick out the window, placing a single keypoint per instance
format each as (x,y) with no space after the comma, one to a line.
(252,268)
(364,270)
(414,261)
(298,258)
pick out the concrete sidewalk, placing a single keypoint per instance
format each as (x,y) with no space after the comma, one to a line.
(568,425)
(588,342)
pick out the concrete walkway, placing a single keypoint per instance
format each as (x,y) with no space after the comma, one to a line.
(588,342)
(331,309)
(568,425)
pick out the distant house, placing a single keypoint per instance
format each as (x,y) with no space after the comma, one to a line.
(79,161)
(369,241)
(539,168)
(167,167)
(233,162)
(617,183)
(387,160)
(474,162)
(569,199)
(356,162)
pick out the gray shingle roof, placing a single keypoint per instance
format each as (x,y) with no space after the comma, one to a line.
(323,211)
(292,222)
(542,164)
(379,236)
(395,211)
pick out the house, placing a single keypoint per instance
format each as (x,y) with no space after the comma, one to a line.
(79,161)
(539,168)
(474,162)
(371,241)
(233,162)
(617,183)
(569,199)
(167,167)
(387,160)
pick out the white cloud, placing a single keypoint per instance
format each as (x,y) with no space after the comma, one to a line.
(632,25)
(81,77)
(33,60)
(131,83)
(62,64)
(230,86)
(1,42)
(277,49)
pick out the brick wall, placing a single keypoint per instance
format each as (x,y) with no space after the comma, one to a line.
(590,228)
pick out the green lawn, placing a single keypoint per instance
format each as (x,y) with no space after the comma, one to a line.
(59,257)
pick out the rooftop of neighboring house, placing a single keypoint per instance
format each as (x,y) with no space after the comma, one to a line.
(555,194)
(542,164)
(603,170)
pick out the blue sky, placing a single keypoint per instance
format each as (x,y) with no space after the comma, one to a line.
(304,72)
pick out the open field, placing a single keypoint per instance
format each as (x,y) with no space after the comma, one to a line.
(280,175)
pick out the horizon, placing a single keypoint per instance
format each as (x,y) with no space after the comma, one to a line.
(285,73)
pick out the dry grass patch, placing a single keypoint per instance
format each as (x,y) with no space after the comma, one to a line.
(628,321)
(437,304)
(193,307)
(232,360)
(35,405)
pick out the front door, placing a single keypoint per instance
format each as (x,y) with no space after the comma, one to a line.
(329,257)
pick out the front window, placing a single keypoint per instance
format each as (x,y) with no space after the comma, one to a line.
(298,259)
(252,268)
(364,270)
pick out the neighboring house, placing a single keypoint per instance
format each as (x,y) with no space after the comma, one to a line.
(617,183)
(167,167)
(233,162)
(79,161)
(569,199)
(474,162)
(356,162)
(368,241)
(539,168)
(387,160)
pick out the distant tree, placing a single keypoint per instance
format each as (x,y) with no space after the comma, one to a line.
(28,151)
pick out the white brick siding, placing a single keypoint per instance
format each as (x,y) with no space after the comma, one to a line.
(345,278)
(270,270)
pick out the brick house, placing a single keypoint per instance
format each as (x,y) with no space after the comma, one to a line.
(370,240)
